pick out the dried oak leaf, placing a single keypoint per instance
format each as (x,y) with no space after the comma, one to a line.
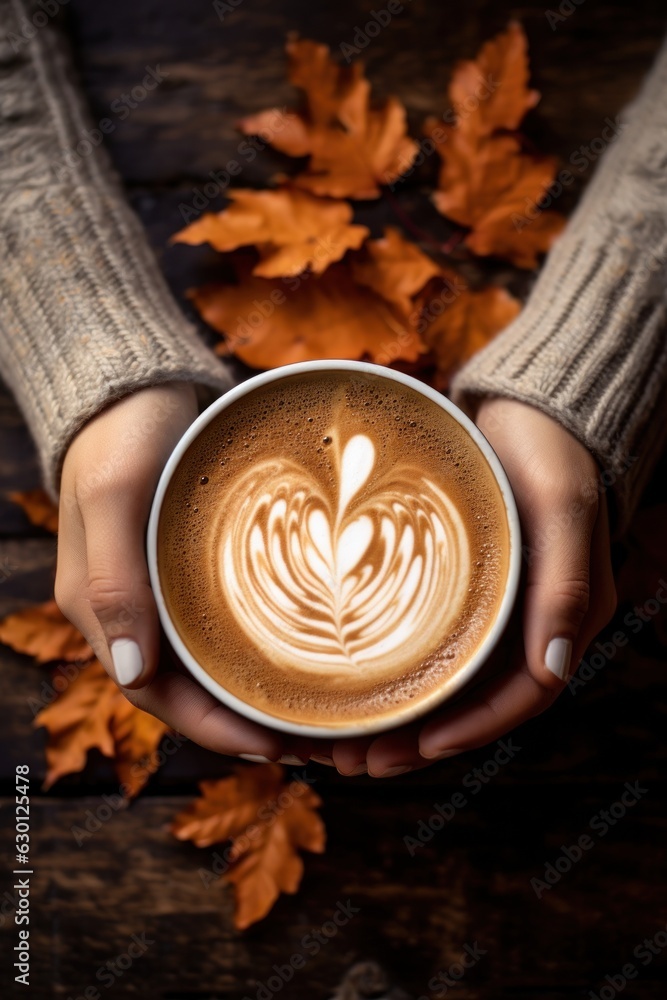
(268,323)
(353,148)
(93,712)
(488,182)
(44,632)
(268,822)
(291,229)
(38,507)
(394,268)
(491,91)
(471,320)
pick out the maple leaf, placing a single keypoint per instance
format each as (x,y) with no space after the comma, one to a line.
(90,713)
(45,633)
(469,322)
(491,91)
(38,507)
(353,148)
(268,323)
(488,182)
(268,823)
(394,268)
(292,230)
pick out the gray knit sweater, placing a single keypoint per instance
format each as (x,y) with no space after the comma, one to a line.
(85,315)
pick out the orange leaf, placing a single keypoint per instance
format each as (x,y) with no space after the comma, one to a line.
(90,713)
(268,821)
(491,91)
(45,633)
(292,230)
(38,507)
(271,323)
(394,268)
(465,326)
(353,149)
(488,183)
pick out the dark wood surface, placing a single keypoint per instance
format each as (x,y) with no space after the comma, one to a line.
(471,882)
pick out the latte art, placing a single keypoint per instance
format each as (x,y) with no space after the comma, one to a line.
(344,582)
(333,549)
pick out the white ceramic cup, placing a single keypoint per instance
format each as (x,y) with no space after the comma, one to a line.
(408,712)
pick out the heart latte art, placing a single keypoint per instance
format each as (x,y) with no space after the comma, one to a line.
(333,549)
(342,583)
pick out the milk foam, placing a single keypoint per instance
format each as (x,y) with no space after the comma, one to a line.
(343,586)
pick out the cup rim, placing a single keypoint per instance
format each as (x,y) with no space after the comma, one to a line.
(409,712)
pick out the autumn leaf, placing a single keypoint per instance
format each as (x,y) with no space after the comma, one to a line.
(268,822)
(394,268)
(469,322)
(38,507)
(488,182)
(491,91)
(90,713)
(270,323)
(291,229)
(353,148)
(45,633)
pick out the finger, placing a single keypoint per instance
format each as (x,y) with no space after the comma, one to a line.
(349,755)
(496,707)
(558,535)
(118,587)
(395,753)
(189,709)
(603,590)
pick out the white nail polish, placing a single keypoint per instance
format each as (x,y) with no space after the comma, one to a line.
(127,660)
(557,657)
(255,758)
(393,771)
(441,754)
(290,758)
(319,759)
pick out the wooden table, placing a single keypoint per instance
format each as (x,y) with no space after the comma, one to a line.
(468,889)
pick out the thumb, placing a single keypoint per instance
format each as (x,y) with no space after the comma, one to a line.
(558,550)
(120,594)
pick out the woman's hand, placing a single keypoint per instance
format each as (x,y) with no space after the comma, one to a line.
(569,594)
(109,477)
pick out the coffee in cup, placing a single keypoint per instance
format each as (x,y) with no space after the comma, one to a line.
(334,546)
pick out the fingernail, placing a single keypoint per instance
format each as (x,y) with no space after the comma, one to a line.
(557,658)
(359,769)
(321,760)
(392,771)
(255,758)
(439,754)
(290,758)
(127,660)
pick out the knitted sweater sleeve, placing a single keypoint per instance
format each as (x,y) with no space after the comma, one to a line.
(589,348)
(85,314)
